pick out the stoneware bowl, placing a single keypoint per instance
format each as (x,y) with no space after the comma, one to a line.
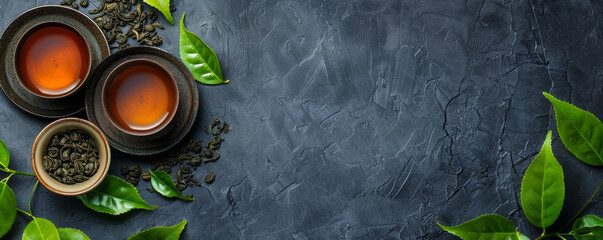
(39,150)
(11,42)
(125,66)
(166,137)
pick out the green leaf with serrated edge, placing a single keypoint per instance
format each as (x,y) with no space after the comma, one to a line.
(163,6)
(114,196)
(491,226)
(595,235)
(199,58)
(164,184)
(588,227)
(40,229)
(580,131)
(542,187)
(72,234)
(4,156)
(160,233)
(8,208)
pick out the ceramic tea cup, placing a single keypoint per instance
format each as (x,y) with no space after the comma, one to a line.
(140,97)
(52,60)
(40,147)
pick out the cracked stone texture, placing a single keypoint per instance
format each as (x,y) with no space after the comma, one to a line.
(360,119)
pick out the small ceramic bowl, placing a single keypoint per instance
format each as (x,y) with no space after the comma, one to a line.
(168,136)
(39,150)
(129,65)
(59,102)
(69,30)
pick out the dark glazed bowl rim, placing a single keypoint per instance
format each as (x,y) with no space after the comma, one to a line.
(120,69)
(9,80)
(36,28)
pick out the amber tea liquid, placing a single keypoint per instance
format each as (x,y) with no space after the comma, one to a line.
(53,61)
(141,98)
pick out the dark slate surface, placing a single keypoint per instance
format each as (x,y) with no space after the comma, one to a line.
(360,119)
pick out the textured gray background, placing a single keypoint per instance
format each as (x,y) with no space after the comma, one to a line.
(360,119)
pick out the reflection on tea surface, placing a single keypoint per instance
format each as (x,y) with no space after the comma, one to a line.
(141,98)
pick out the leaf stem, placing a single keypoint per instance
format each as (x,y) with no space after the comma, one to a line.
(31,196)
(543,236)
(583,207)
(26,213)
(5,180)
(24,173)
(553,234)
(6,170)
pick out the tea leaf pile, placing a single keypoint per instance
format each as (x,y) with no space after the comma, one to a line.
(543,187)
(114,16)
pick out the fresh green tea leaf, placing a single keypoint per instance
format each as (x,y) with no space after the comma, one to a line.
(597,235)
(72,234)
(542,188)
(160,233)
(40,229)
(164,184)
(8,208)
(589,227)
(523,237)
(490,226)
(163,6)
(580,131)
(4,157)
(199,58)
(114,196)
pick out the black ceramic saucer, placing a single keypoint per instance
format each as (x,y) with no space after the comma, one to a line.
(9,81)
